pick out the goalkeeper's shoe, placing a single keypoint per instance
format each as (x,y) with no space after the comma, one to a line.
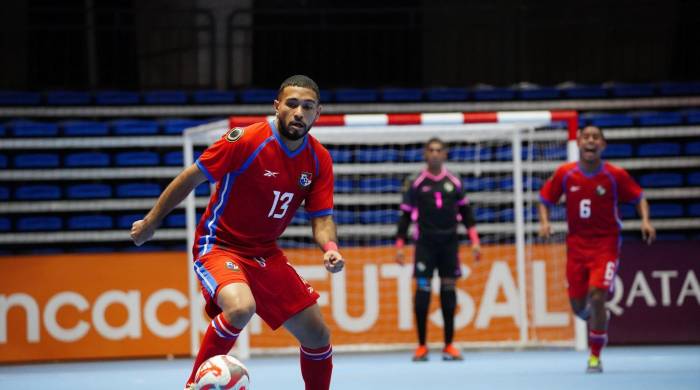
(451,353)
(421,354)
(595,366)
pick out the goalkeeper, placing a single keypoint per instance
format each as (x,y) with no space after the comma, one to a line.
(436,200)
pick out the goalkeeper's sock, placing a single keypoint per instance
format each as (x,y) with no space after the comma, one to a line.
(316,367)
(422,303)
(596,341)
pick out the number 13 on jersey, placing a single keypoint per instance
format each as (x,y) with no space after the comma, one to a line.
(283,201)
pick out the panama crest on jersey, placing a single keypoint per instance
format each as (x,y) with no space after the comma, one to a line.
(305,179)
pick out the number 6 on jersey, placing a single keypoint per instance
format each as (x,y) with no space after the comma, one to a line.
(584,209)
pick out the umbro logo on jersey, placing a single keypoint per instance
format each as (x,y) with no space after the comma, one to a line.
(232,266)
(270,173)
(575,188)
(261,261)
(600,190)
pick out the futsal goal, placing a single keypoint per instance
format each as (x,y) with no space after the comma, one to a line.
(514,297)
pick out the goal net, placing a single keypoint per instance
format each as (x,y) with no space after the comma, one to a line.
(515,296)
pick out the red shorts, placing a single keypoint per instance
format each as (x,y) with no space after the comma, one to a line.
(591,262)
(279,291)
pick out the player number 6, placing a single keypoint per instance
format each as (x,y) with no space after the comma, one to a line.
(584,208)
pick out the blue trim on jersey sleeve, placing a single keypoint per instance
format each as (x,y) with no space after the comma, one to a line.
(316,163)
(205,171)
(286,150)
(320,213)
(637,199)
(545,201)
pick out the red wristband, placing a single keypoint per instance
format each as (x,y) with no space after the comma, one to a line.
(399,243)
(330,246)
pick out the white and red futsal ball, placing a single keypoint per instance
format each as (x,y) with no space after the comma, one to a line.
(222,372)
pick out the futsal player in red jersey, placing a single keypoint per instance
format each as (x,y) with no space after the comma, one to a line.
(593,189)
(262,172)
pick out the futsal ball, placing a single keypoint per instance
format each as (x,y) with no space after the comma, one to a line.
(222,372)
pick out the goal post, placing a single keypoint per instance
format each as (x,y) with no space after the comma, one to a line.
(514,297)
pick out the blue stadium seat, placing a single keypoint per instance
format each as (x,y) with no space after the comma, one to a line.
(165,97)
(173,158)
(557,213)
(67,98)
(130,159)
(5,224)
(504,183)
(666,210)
(84,128)
(627,211)
(263,96)
(138,190)
(326,96)
(402,95)
(344,217)
(505,215)
(344,185)
(488,93)
(380,184)
(176,220)
(3,132)
(135,127)
(350,95)
(694,210)
(692,117)
(39,223)
(679,89)
(659,149)
(608,120)
(447,94)
(379,216)
(86,159)
(483,183)
(37,160)
(301,217)
(666,179)
(693,179)
(484,214)
(116,98)
(659,118)
(535,182)
(631,90)
(4,193)
(617,151)
(125,221)
(89,191)
(24,128)
(547,153)
(14,98)
(539,93)
(692,148)
(340,155)
(38,192)
(580,91)
(468,153)
(375,155)
(3,161)
(415,154)
(214,97)
(202,189)
(90,222)
(177,126)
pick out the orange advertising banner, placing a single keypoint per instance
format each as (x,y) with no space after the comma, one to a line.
(89,306)
(94,306)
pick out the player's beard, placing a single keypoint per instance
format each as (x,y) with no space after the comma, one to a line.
(293,135)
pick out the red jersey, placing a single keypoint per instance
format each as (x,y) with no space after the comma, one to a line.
(591,199)
(260,184)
